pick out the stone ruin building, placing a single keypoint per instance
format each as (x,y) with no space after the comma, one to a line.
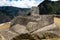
(35,11)
(33,27)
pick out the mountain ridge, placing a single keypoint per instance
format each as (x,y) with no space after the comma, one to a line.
(9,12)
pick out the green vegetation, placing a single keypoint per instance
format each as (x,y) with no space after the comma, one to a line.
(7,13)
(49,7)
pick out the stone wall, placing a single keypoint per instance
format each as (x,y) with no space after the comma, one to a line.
(35,11)
(45,20)
(27,26)
(33,23)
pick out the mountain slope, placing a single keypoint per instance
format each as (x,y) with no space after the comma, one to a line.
(8,12)
(49,7)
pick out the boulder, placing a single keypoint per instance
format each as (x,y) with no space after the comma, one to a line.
(46,28)
(20,29)
(22,20)
(47,32)
(32,26)
(45,20)
(8,35)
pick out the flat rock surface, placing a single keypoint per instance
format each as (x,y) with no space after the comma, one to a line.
(19,29)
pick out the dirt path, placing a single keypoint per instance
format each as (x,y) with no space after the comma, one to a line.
(57,21)
(4,25)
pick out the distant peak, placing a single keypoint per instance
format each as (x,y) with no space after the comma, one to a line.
(54,0)
(51,0)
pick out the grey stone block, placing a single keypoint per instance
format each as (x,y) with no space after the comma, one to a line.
(8,35)
(32,26)
(20,29)
(45,20)
(47,32)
